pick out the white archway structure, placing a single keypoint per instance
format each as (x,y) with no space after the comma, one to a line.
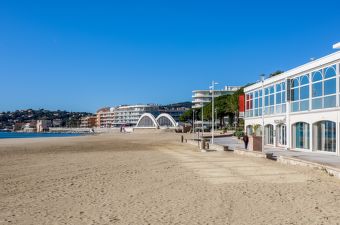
(166,120)
(147,120)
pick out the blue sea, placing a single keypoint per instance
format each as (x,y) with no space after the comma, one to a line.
(35,135)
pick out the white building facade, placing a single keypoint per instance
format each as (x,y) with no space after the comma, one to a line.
(299,109)
(130,114)
(202,97)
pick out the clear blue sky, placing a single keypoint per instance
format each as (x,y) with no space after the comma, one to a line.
(82,55)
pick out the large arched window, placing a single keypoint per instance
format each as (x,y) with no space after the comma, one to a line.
(300,93)
(269,100)
(300,135)
(269,134)
(324,88)
(324,136)
(249,104)
(280,97)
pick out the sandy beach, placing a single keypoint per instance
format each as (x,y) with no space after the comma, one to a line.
(154,179)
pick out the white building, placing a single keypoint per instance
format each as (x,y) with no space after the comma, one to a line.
(299,109)
(202,97)
(43,125)
(130,114)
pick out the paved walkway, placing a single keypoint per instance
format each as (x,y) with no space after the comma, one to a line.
(324,159)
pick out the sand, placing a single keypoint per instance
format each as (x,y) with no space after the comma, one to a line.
(154,179)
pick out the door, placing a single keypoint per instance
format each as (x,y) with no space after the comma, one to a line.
(282,135)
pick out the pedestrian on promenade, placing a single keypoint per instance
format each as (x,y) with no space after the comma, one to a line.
(245,140)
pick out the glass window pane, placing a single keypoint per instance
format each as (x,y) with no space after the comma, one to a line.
(317,89)
(283,108)
(256,94)
(317,103)
(329,101)
(283,97)
(330,72)
(256,103)
(304,92)
(271,90)
(271,99)
(330,86)
(278,87)
(304,105)
(278,108)
(295,94)
(283,85)
(266,91)
(295,82)
(317,76)
(278,98)
(295,106)
(304,80)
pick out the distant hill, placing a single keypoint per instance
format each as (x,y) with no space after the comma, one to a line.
(8,119)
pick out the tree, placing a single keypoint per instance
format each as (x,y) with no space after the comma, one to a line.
(186,116)
(277,72)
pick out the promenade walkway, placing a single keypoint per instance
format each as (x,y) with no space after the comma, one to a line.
(320,158)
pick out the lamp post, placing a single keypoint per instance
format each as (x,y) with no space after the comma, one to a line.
(212,87)
(193,120)
(202,120)
(262,81)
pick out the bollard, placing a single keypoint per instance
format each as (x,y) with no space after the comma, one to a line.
(182,138)
(202,144)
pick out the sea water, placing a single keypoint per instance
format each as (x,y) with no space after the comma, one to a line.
(35,135)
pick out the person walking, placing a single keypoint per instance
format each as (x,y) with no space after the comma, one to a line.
(245,140)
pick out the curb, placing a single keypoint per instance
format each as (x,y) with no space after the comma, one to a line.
(332,171)
(250,153)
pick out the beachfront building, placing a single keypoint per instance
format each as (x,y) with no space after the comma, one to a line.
(203,97)
(105,117)
(43,125)
(130,114)
(299,109)
(88,122)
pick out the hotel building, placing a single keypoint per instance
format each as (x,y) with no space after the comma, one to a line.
(202,97)
(299,109)
(130,114)
(88,122)
(105,117)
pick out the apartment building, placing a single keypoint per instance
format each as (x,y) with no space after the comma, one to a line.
(202,97)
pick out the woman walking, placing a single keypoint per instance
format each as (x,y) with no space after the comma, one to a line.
(245,140)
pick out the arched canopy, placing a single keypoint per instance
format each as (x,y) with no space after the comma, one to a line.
(167,120)
(147,120)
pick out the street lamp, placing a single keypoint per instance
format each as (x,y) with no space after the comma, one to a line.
(212,87)
(193,120)
(202,120)
(262,81)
